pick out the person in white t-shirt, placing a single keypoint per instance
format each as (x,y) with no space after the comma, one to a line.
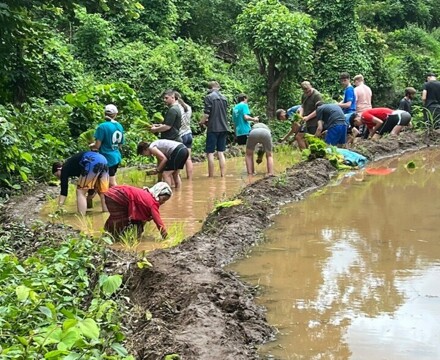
(171,157)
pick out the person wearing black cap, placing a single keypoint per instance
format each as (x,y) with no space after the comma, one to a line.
(431,100)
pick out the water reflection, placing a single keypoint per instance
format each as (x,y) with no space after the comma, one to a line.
(352,273)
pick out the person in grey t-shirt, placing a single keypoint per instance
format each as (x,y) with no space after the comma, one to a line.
(260,135)
(215,119)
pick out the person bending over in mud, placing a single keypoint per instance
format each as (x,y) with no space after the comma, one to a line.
(130,206)
(92,171)
(284,115)
(331,118)
(381,121)
(171,157)
(260,134)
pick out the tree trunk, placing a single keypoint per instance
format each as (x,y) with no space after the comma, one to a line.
(274,79)
(271,103)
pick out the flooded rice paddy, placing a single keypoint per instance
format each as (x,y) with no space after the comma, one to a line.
(184,213)
(352,272)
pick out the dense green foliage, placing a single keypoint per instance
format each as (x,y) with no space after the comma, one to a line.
(281,41)
(64,60)
(55,303)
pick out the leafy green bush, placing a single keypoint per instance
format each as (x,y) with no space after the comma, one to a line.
(43,308)
(88,106)
(33,137)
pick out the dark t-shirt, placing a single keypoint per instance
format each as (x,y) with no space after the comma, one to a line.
(308,105)
(216,106)
(432,93)
(405,105)
(70,168)
(331,115)
(173,118)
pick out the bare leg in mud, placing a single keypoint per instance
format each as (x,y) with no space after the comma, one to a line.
(222,162)
(210,164)
(81,201)
(269,159)
(250,162)
(189,166)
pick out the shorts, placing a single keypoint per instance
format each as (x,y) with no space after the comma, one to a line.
(399,117)
(94,172)
(216,141)
(187,140)
(112,170)
(177,159)
(336,135)
(242,139)
(259,136)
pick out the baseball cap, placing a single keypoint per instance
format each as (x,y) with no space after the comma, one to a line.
(431,74)
(111,109)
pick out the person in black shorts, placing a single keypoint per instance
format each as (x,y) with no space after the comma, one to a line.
(171,157)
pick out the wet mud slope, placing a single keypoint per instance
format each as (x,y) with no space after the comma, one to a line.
(186,303)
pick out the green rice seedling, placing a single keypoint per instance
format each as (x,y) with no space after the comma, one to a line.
(130,238)
(176,234)
(85,224)
(225,204)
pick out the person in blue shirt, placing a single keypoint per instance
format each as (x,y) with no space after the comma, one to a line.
(109,137)
(241,115)
(348,104)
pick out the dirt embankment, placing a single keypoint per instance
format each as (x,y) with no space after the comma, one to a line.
(198,309)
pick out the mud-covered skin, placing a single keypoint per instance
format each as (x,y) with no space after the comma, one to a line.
(198,309)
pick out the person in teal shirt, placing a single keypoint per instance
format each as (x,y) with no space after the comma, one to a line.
(241,115)
(109,137)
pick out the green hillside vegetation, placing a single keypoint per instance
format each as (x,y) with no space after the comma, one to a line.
(64,60)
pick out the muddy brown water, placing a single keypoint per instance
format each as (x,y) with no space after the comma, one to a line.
(352,272)
(184,213)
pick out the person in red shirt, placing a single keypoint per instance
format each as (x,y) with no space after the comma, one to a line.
(381,121)
(131,206)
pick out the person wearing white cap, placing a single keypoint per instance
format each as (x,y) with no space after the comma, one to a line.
(109,137)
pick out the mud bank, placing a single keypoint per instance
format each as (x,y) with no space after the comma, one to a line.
(199,310)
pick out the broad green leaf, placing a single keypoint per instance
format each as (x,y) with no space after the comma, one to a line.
(46,311)
(55,354)
(68,314)
(69,338)
(111,284)
(69,323)
(89,328)
(26,156)
(119,349)
(33,295)
(21,269)
(22,292)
